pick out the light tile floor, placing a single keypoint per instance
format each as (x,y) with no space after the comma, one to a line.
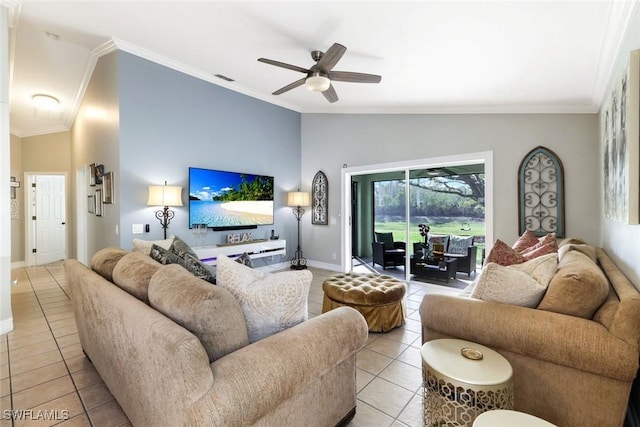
(44,371)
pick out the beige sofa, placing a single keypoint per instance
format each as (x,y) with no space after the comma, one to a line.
(189,361)
(570,367)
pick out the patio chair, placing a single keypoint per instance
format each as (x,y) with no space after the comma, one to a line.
(386,252)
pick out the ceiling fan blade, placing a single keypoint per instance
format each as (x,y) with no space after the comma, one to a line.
(283,65)
(330,58)
(330,94)
(347,76)
(290,86)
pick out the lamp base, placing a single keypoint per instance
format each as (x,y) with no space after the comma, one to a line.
(299,262)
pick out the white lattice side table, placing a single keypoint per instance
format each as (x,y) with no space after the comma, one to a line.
(461,380)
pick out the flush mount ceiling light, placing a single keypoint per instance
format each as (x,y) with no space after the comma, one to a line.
(46,102)
(317,82)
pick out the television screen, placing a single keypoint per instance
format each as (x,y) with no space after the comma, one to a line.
(229,200)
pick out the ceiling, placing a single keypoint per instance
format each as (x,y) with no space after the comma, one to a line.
(434,56)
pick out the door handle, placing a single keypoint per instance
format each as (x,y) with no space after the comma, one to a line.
(64,223)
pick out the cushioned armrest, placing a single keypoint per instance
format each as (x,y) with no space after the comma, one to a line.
(262,375)
(565,340)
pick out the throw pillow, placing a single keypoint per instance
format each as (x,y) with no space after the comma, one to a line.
(458,245)
(189,262)
(526,240)
(503,254)
(522,284)
(271,302)
(549,248)
(180,248)
(548,238)
(438,238)
(144,246)
(245,259)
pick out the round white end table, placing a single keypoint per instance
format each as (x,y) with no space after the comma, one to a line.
(461,380)
(506,418)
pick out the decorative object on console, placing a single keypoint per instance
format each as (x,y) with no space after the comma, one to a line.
(166,196)
(621,145)
(296,200)
(320,199)
(541,193)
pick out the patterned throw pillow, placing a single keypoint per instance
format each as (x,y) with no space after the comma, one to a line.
(189,262)
(180,248)
(527,240)
(502,254)
(521,284)
(271,302)
(458,244)
(549,248)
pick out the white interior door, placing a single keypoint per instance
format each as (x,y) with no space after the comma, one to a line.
(50,213)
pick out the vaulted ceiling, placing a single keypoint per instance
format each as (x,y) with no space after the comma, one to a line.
(434,56)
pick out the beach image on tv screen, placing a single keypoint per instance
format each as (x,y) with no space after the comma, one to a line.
(228,199)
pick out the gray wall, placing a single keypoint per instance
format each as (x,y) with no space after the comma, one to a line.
(329,141)
(622,241)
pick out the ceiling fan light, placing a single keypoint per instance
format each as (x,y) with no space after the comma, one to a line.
(317,83)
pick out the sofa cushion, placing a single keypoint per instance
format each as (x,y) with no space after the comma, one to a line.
(502,254)
(588,250)
(520,284)
(104,261)
(133,272)
(458,245)
(209,312)
(572,240)
(144,246)
(578,288)
(526,240)
(271,302)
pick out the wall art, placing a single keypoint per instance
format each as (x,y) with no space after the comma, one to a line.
(320,199)
(621,146)
(107,188)
(541,193)
(98,202)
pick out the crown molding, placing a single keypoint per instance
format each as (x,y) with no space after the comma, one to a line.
(40,131)
(95,54)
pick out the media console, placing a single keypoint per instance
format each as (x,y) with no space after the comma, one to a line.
(255,248)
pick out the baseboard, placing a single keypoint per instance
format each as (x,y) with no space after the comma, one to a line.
(18,264)
(6,326)
(324,266)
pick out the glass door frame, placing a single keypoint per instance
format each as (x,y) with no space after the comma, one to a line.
(486,157)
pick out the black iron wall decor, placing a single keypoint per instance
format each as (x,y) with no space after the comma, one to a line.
(320,199)
(541,193)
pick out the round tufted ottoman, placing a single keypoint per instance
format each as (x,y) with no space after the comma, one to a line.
(380,299)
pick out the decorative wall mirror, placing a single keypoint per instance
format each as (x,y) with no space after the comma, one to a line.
(541,193)
(320,199)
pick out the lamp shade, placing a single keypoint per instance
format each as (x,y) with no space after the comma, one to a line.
(165,195)
(298,198)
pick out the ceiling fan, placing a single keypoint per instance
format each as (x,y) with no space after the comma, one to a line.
(320,75)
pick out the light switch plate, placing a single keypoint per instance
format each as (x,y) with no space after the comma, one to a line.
(137,229)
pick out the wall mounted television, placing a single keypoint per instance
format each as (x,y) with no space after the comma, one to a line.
(229,200)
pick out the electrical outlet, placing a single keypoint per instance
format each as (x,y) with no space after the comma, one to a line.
(333,255)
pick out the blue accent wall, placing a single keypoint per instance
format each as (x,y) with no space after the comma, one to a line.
(170,121)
